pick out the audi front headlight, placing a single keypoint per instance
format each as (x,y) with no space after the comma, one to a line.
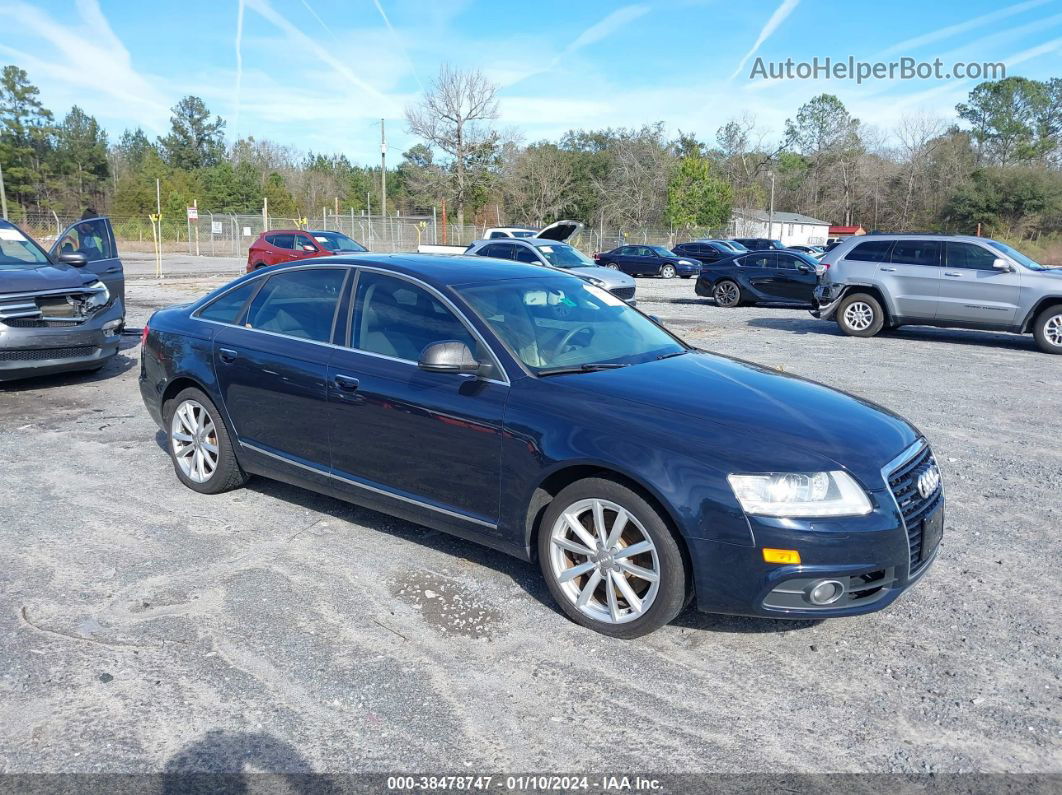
(800,494)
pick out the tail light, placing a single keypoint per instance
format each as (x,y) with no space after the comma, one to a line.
(597,256)
(144,335)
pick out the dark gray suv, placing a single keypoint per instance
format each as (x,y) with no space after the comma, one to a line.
(885,281)
(63,310)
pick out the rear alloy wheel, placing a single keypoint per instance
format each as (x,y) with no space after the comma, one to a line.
(613,266)
(727,294)
(1048,330)
(860,315)
(199,445)
(610,561)
(667,271)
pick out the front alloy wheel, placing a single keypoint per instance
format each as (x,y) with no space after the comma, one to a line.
(610,560)
(1048,330)
(667,271)
(605,562)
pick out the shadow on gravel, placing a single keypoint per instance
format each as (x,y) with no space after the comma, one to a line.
(735,625)
(239,762)
(985,339)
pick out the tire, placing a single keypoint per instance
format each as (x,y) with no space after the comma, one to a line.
(609,605)
(612,266)
(1047,329)
(860,315)
(727,294)
(259,266)
(215,471)
(667,271)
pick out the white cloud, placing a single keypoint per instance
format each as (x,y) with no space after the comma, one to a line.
(961,27)
(84,60)
(777,18)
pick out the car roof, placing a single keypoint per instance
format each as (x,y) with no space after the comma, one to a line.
(438,270)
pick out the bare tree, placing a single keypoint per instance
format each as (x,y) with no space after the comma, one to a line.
(454,115)
(538,182)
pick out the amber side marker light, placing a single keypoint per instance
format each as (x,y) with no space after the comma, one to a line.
(780,555)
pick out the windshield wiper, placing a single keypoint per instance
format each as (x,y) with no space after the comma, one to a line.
(582,368)
(669,355)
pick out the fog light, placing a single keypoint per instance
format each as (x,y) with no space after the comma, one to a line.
(110,328)
(826,592)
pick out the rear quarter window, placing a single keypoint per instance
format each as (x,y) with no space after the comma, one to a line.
(227,308)
(871,251)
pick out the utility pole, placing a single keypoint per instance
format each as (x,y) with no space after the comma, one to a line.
(770,217)
(383,169)
(3,194)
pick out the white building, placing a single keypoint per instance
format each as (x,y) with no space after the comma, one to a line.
(793,229)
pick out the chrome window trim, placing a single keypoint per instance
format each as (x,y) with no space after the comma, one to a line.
(374,489)
(357,269)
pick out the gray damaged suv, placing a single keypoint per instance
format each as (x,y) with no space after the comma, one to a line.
(885,281)
(63,310)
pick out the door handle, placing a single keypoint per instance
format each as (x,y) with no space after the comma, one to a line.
(958,275)
(346,383)
(227,355)
(113,269)
(888,270)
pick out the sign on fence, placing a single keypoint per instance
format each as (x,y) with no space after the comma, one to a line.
(247,231)
(215,228)
(193,213)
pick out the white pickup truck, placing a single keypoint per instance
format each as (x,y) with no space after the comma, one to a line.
(559,231)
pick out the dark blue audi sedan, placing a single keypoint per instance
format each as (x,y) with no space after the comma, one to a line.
(537,414)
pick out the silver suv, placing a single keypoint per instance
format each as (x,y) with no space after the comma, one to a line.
(884,281)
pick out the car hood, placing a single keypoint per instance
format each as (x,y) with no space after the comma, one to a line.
(773,418)
(46,277)
(613,279)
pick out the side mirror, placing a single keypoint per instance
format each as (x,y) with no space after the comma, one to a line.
(308,247)
(449,356)
(656,319)
(75,258)
(1001,264)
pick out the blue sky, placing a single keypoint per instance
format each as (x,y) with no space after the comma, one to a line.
(319,74)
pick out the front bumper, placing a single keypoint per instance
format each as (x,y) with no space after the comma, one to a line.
(870,556)
(27,352)
(687,270)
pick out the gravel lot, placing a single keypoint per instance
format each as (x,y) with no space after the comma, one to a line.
(145,627)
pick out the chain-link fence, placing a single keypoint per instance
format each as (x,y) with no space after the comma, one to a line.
(229,235)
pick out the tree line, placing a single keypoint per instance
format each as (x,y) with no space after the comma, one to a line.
(995,164)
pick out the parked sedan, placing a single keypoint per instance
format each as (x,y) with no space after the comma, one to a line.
(280,246)
(649,261)
(551,254)
(759,243)
(811,251)
(706,252)
(534,413)
(60,311)
(761,277)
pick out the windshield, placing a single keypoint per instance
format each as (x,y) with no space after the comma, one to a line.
(563,322)
(564,256)
(735,245)
(1017,256)
(660,251)
(522,233)
(18,252)
(333,241)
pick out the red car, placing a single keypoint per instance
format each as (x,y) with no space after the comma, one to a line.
(278,246)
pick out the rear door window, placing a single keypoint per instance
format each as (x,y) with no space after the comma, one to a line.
(969,255)
(284,241)
(916,252)
(228,307)
(525,254)
(299,303)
